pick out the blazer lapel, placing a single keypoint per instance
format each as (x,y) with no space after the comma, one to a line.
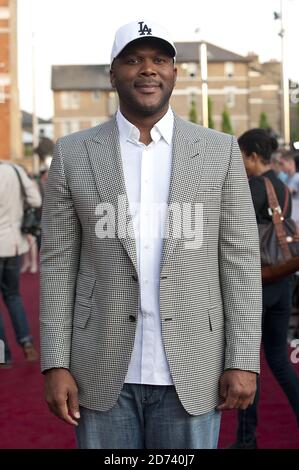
(105,159)
(188,157)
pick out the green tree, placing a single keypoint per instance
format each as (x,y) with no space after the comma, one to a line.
(295,124)
(193,113)
(226,124)
(210,111)
(263,123)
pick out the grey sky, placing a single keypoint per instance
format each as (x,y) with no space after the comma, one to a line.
(81,32)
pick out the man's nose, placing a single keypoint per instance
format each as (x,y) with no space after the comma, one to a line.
(148,68)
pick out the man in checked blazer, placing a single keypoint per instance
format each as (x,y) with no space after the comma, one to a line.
(150,271)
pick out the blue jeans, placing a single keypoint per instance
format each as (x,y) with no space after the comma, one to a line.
(147,417)
(9,287)
(276,314)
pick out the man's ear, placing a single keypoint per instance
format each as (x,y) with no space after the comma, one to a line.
(254,156)
(175,71)
(112,78)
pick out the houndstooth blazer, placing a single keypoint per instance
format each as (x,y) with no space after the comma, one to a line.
(210,297)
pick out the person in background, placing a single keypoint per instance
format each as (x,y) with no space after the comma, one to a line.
(30,259)
(13,244)
(256,147)
(291,179)
(288,166)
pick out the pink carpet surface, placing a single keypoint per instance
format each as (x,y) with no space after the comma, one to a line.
(26,423)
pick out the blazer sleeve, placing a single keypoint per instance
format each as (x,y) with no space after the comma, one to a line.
(240,270)
(60,251)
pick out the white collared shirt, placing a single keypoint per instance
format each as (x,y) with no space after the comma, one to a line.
(147,171)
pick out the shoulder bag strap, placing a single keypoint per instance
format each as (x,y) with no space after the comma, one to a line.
(286,200)
(277,219)
(21,182)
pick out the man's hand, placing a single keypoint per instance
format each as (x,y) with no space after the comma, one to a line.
(237,389)
(61,393)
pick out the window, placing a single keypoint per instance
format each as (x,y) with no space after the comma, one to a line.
(70,100)
(112,103)
(229,69)
(2,94)
(67,127)
(4,13)
(192,70)
(230,98)
(96,95)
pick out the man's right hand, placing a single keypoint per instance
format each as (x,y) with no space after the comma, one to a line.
(61,393)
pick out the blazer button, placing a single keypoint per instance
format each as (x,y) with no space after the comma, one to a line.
(132,318)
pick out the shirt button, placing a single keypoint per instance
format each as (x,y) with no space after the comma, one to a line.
(132,318)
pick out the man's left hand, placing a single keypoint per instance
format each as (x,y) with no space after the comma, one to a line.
(237,389)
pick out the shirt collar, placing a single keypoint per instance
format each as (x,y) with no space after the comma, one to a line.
(163,128)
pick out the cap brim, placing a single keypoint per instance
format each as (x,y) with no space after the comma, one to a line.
(165,44)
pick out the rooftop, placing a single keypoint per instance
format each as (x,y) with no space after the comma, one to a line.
(96,77)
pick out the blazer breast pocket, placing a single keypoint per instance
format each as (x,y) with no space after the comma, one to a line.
(209,194)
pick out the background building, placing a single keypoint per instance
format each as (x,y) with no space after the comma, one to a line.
(246,89)
(10,117)
(83,97)
(45,128)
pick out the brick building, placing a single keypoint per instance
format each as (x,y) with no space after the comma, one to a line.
(10,117)
(83,96)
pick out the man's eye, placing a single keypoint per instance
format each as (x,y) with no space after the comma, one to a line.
(160,60)
(132,60)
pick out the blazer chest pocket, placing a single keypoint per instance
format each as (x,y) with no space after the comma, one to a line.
(210,195)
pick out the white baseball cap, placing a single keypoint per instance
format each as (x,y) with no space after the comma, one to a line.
(140,30)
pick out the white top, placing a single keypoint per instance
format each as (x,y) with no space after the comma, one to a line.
(12,241)
(293,183)
(147,171)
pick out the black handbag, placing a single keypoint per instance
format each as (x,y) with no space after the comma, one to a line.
(279,240)
(31,222)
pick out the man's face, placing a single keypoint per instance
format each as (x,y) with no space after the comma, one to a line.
(288,166)
(144,76)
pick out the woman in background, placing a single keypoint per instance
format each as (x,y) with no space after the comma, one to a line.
(256,147)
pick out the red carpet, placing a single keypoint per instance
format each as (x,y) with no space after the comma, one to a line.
(26,423)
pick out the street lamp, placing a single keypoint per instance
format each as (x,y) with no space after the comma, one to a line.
(35,138)
(203,61)
(285,99)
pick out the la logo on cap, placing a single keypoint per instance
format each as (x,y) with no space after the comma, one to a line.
(144,29)
(140,30)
